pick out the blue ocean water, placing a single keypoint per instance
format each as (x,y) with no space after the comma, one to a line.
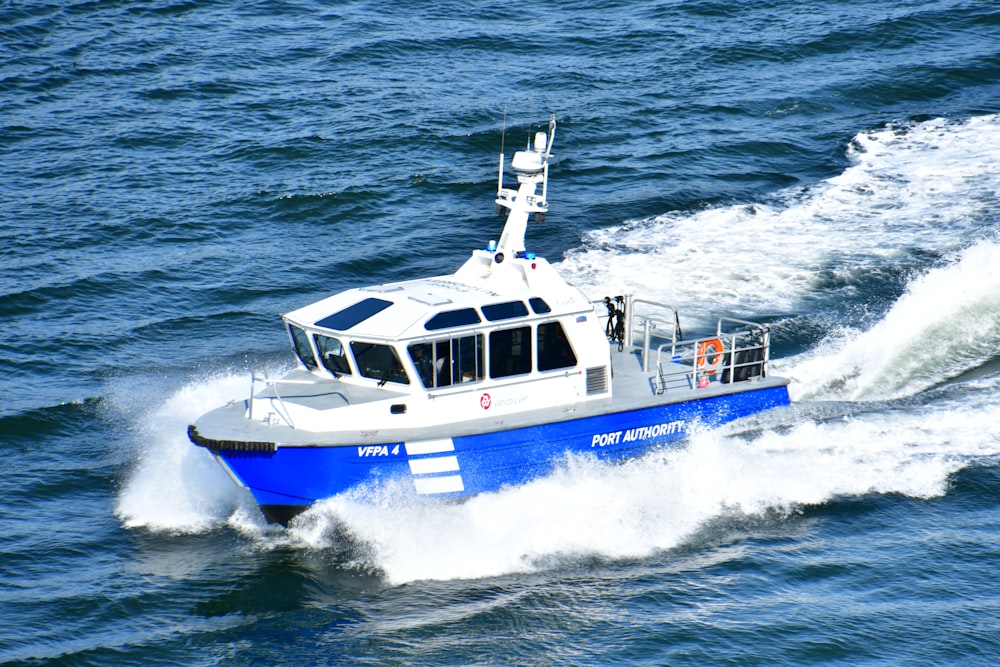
(178,173)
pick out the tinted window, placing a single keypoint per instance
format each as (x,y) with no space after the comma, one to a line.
(300,343)
(449,361)
(430,361)
(354,315)
(510,352)
(554,350)
(505,311)
(467,355)
(539,306)
(453,318)
(378,362)
(332,355)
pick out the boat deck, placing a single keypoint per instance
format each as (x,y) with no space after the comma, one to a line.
(628,380)
(303,388)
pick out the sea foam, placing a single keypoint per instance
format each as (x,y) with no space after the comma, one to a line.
(923,187)
(173,485)
(946,323)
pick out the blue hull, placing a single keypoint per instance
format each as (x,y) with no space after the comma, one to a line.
(288,480)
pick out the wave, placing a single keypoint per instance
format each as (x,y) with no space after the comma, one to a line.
(172,485)
(911,192)
(947,323)
(22,429)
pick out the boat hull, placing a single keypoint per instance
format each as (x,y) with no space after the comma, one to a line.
(288,479)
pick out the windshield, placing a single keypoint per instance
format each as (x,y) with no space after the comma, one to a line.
(300,343)
(332,355)
(378,362)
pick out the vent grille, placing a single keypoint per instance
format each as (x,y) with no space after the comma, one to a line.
(597,380)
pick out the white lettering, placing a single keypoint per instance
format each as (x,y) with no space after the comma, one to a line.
(636,434)
(605,439)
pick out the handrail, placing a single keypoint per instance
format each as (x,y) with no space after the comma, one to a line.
(733,320)
(634,302)
(649,323)
(273,385)
(492,384)
(753,343)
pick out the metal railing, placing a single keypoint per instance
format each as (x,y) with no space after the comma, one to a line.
(653,318)
(739,351)
(728,356)
(273,386)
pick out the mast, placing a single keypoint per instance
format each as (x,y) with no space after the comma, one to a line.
(531,167)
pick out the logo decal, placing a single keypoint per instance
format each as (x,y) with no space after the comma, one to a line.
(485,401)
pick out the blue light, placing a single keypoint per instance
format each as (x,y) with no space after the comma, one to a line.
(491,246)
(529,255)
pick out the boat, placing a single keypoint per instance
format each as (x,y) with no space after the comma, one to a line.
(486,378)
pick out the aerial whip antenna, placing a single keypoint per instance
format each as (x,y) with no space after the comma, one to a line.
(503,134)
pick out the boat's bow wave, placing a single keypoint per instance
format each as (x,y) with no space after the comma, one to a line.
(172,486)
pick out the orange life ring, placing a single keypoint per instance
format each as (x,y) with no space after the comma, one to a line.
(712,346)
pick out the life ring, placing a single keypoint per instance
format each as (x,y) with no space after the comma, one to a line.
(712,346)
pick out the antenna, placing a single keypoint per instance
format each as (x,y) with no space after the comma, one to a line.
(503,135)
(503,128)
(548,154)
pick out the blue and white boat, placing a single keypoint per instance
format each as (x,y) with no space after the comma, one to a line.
(488,377)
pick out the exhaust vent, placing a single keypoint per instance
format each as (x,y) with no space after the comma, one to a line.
(597,380)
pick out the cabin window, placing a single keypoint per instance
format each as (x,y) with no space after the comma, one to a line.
(300,343)
(453,318)
(510,352)
(332,355)
(539,306)
(378,362)
(449,361)
(554,350)
(505,311)
(467,353)
(354,315)
(422,356)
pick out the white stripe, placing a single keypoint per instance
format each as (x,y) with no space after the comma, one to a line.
(430,485)
(430,446)
(437,464)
